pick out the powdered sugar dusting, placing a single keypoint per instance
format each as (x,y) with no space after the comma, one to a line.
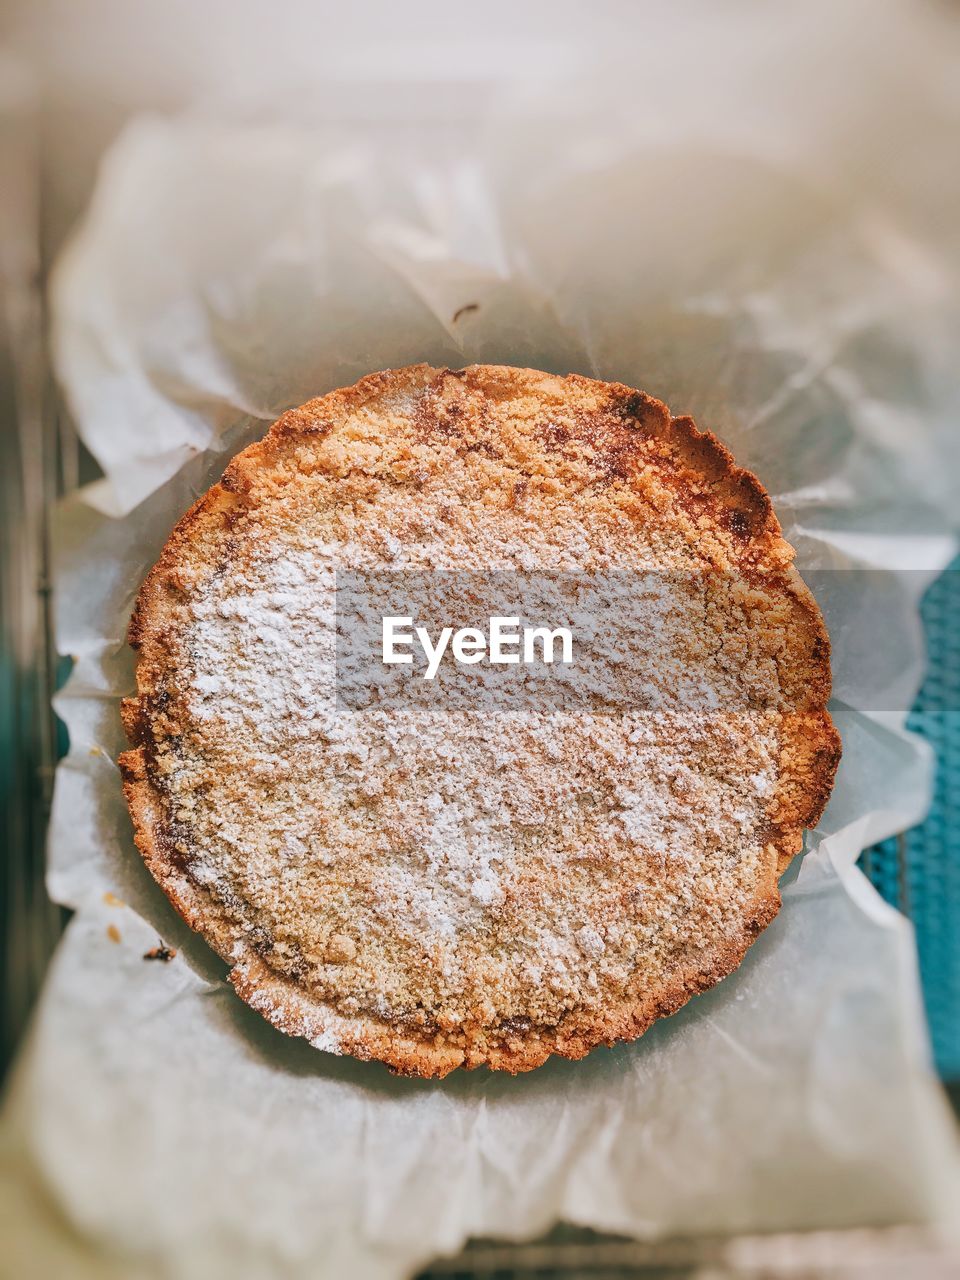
(328,1042)
(435,869)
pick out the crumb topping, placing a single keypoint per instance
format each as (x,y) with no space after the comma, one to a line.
(473,885)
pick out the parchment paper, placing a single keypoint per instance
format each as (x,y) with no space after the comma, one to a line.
(156,1126)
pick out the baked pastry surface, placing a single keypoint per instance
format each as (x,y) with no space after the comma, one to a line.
(436,889)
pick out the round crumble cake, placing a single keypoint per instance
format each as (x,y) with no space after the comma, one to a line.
(439,885)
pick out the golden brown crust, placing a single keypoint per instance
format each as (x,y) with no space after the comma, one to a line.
(727,511)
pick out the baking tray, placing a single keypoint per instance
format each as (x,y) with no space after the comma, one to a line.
(44,460)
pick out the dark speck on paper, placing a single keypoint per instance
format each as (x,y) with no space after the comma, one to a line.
(160,953)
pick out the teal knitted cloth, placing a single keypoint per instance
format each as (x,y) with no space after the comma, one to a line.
(920,871)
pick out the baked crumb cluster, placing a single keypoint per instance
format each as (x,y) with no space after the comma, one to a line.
(434,883)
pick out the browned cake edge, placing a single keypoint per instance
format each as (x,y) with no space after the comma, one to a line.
(810,747)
